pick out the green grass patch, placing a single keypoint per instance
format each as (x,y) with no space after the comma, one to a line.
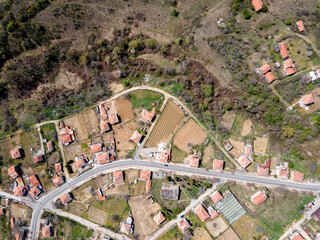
(178,155)
(173,233)
(145,99)
(48,131)
(117,209)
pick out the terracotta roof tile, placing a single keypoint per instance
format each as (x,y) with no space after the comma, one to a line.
(308,99)
(12,171)
(66,198)
(257,5)
(283,50)
(216,197)
(118,177)
(159,218)
(218,165)
(202,213)
(300,25)
(145,175)
(136,137)
(15,153)
(258,198)
(184,225)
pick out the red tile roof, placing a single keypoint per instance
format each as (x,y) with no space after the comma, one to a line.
(193,161)
(257,5)
(216,197)
(66,198)
(184,225)
(80,163)
(38,159)
(290,71)
(145,175)
(18,236)
(300,25)
(104,126)
(263,170)
(148,116)
(265,68)
(148,186)
(103,158)
(136,137)
(308,99)
(159,218)
(100,195)
(283,50)
(218,165)
(46,231)
(103,112)
(57,180)
(12,222)
(248,149)
(12,171)
(288,63)
(95,148)
(15,153)
(244,161)
(297,176)
(118,177)
(19,191)
(165,156)
(283,173)
(258,198)
(113,118)
(50,147)
(35,192)
(58,168)
(66,135)
(202,213)
(125,227)
(297,237)
(20,182)
(213,214)
(34,181)
(269,76)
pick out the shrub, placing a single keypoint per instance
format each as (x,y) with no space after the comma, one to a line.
(246,13)
(174,12)
(264,8)
(288,22)
(151,43)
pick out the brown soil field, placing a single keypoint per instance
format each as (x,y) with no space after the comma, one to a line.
(142,212)
(102,181)
(237,144)
(122,136)
(53,158)
(77,208)
(166,125)
(118,190)
(234,152)
(131,175)
(124,109)
(91,122)
(208,156)
(116,87)
(227,120)
(229,235)
(246,128)
(20,212)
(201,234)
(107,136)
(216,227)
(246,226)
(260,145)
(98,216)
(189,134)
(72,151)
(78,125)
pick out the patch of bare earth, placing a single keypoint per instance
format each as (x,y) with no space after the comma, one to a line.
(246,128)
(227,120)
(260,145)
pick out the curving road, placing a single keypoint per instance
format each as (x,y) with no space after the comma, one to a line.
(47,200)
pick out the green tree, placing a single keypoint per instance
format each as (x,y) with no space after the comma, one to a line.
(288,22)
(151,43)
(174,12)
(11,26)
(246,13)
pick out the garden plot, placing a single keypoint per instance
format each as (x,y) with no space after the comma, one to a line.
(246,128)
(124,109)
(201,234)
(98,216)
(229,235)
(260,145)
(227,120)
(216,227)
(122,136)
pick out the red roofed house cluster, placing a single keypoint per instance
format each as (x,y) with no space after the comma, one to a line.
(66,198)
(104,157)
(66,134)
(244,161)
(265,70)
(36,190)
(288,63)
(216,197)
(163,153)
(184,225)
(13,172)
(81,162)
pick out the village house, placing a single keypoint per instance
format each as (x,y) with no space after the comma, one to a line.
(19,191)
(145,175)
(19,236)
(283,51)
(216,197)
(159,218)
(258,198)
(201,212)
(148,186)
(104,157)
(101,197)
(289,67)
(244,161)
(95,148)
(16,153)
(36,191)
(13,172)
(66,198)
(248,151)
(192,161)
(265,70)
(47,231)
(81,162)
(114,118)
(169,191)
(50,146)
(66,136)
(136,137)
(57,180)
(227,146)
(282,172)
(296,236)
(218,165)
(213,213)
(307,99)
(58,168)
(148,116)
(126,228)
(12,221)
(264,169)
(103,112)
(20,182)
(118,177)
(297,176)
(300,26)
(184,225)
(163,153)
(257,5)
(38,159)
(104,127)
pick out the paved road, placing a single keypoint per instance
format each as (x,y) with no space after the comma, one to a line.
(19,199)
(46,200)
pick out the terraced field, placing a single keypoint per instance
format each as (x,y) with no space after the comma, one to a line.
(167,124)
